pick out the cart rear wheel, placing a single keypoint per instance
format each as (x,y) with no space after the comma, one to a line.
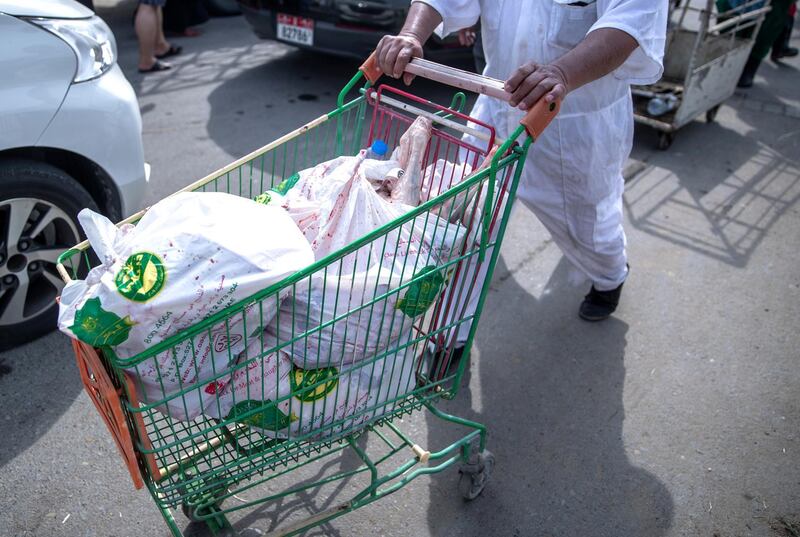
(474,477)
(665,140)
(189,504)
(711,114)
(190,511)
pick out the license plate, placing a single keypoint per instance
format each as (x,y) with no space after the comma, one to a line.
(295,29)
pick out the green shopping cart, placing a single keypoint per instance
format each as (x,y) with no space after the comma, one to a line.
(212,467)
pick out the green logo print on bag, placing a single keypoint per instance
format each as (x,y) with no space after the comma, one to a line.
(422,292)
(281,188)
(270,416)
(98,327)
(141,277)
(303,382)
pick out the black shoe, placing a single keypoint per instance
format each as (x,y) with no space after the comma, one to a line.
(599,305)
(788,52)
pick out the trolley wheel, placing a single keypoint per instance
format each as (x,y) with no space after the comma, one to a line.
(190,511)
(474,477)
(711,114)
(665,140)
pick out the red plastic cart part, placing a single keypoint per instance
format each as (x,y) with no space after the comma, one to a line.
(107,398)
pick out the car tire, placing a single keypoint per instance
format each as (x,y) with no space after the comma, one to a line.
(222,8)
(42,202)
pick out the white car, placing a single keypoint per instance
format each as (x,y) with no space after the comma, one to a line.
(70,137)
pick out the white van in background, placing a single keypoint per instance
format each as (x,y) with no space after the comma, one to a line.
(70,137)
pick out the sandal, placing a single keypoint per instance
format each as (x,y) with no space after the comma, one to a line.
(171,51)
(156,67)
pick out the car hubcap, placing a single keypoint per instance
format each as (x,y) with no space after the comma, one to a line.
(37,232)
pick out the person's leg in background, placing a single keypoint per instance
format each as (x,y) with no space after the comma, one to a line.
(772,27)
(781,47)
(162,45)
(150,35)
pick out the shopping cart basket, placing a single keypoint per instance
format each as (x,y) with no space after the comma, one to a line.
(211,468)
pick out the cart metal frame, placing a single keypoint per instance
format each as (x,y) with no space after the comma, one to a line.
(200,465)
(705,54)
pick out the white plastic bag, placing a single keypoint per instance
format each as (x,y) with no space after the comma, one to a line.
(191,256)
(304,401)
(338,300)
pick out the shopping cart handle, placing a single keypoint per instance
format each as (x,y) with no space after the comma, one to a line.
(535,121)
(539,117)
(437,72)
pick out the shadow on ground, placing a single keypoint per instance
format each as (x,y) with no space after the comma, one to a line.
(554,409)
(239,104)
(35,390)
(720,211)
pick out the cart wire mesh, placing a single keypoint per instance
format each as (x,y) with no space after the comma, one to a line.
(313,411)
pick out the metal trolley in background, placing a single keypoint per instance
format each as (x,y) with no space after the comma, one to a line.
(212,468)
(705,54)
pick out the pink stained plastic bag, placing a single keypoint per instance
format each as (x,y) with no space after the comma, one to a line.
(338,307)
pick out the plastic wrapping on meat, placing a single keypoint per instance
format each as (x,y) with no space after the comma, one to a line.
(410,155)
(366,302)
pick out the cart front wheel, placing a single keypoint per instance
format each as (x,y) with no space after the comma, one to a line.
(191,511)
(711,114)
(665,140)
(473,477)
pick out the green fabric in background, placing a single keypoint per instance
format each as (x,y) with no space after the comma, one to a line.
(771,28)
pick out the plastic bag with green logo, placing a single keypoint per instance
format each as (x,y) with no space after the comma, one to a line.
(190,257)
(282,400)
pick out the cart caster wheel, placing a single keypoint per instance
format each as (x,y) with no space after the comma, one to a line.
(665,140)
(474,477)
(190,512)
(711,115)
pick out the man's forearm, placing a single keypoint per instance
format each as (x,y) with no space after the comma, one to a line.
(421,21)
(601,52)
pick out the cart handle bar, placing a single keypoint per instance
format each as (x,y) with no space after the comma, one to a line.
(739,19)
(535,121)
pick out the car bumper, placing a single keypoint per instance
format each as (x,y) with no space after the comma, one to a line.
(110,133)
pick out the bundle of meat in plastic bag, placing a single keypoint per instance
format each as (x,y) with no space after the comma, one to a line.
(365,303)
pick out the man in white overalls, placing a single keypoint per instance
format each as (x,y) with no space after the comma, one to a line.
(588,53)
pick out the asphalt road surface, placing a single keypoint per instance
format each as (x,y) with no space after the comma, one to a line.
(679,417)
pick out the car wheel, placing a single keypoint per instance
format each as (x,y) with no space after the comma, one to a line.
(39,205)
(222,8)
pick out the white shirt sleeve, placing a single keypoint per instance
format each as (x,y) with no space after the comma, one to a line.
(646,22)
(456,14)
